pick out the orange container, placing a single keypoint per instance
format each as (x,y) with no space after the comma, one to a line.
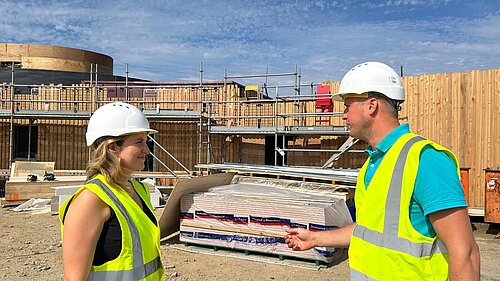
(13,197)
(464,180)
(492,195)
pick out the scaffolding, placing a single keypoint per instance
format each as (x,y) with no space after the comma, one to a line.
(215,110)
(280,116)
(77,102)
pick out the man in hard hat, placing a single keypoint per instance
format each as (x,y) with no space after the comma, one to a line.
(411,216)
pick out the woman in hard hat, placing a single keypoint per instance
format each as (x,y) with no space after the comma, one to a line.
(108,226)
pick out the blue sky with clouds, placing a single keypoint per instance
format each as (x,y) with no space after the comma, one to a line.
(165,40)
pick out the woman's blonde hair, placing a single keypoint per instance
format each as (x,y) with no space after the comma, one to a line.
(105,161)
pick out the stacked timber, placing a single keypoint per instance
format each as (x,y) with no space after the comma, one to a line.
(249,216)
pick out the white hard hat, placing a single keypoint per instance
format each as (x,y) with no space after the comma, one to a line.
(371,77)
(116,119)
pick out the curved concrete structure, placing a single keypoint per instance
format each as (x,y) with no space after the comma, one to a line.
(46,57)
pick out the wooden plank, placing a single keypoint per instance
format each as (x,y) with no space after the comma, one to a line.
(11,203)
(475,211)
(22,190)
(24,168)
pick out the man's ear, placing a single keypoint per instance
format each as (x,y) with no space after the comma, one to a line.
(373,105)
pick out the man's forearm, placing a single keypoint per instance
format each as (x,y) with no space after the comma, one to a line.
(338,238)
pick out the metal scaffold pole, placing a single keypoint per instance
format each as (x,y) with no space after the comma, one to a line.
(170,155)
(224,93)
(90,90)
(209,112)
(200,120)
(276,120)
(126,82)
(224,96)
(11,127)
(91,106)
(260,75)
(29,138)
(302,105)
(96,78)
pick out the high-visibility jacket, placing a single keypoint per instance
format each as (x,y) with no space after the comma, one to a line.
(384,245)
(139,258)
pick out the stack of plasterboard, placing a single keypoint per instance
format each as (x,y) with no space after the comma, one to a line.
(254,217)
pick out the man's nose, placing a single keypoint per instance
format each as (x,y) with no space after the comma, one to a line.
(344,115)
(146,149)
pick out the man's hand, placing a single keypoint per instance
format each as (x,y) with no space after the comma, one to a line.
(299,239)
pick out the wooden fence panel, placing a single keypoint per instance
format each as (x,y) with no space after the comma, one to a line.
(460,111)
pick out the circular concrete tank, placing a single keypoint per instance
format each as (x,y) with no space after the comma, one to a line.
(46,57)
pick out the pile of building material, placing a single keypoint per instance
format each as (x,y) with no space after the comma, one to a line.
(254,215)
(337,175)
(36,180)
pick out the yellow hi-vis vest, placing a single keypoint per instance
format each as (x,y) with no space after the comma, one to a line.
(139,258)
(384,245)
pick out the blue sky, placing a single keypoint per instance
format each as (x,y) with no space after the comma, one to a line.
(165,40)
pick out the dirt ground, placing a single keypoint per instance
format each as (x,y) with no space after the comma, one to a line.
(30,249)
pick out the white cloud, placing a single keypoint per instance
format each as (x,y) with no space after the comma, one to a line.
(167,39)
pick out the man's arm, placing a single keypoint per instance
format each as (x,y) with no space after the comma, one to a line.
(300,239)
(453,228)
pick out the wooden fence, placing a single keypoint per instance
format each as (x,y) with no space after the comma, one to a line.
(461,111)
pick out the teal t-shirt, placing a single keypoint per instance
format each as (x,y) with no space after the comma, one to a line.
(437,186)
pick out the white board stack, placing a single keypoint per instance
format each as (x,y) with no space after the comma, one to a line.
(254,217)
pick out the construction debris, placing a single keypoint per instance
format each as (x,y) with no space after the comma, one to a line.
(34,204)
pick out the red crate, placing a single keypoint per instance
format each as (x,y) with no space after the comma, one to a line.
(323,98)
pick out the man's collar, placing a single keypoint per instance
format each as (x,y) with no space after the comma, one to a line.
(390,139)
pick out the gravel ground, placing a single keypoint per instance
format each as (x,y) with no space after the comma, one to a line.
(31,250)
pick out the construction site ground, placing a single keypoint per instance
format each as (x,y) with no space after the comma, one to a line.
(31,249)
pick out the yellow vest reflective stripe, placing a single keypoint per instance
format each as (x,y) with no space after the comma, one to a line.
(356,275)
(138,273)
(385,244)
(140,270)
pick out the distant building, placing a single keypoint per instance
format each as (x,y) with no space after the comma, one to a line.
(44,112)
(36,64)
(46,57)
